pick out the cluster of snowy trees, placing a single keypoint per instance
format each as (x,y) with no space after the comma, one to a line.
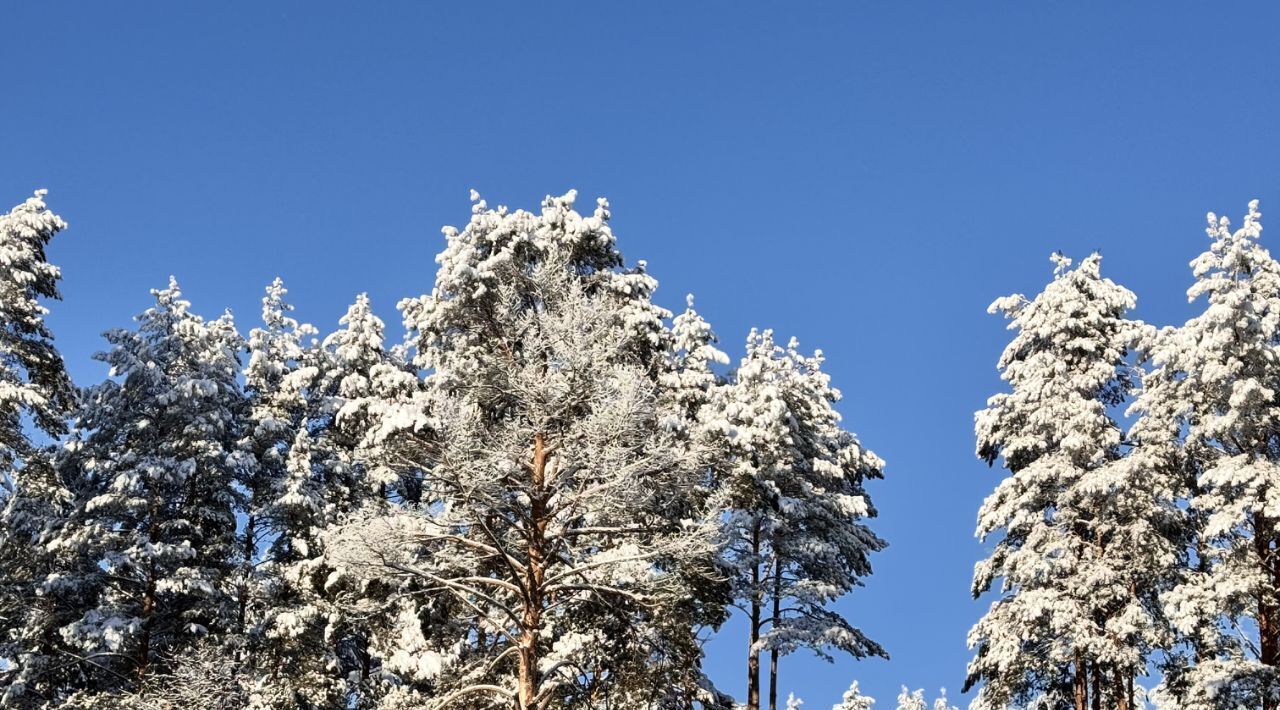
(854,700)
(543,498)
(553,489)
(1137,530)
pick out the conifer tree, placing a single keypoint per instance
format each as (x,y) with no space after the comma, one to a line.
(794,502)
(908,700)
(1210,409)
(278,385)
(558,520)
(329,478)
(33,380)
(854,699)
(33,386)
(153,468)
(1086,540)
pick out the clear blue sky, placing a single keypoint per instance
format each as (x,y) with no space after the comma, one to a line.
(866,178)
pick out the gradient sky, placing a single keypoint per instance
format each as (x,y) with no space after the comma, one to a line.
(867,177)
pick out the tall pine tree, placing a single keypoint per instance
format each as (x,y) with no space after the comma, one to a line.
(1212,409)
(559,517)
(1085,539)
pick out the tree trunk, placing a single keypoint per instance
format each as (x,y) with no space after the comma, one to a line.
(148,607)
(250,530)
(1080,686)
(1095,698)
(1268,612)
(1123,687)
(529,684)
(753,655)
(773,624)
(148,598)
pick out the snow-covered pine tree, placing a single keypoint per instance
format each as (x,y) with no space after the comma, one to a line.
(793,506)
(33,386)
(363,378)
(1210,407)
(1084,542)
(38,669)
(908,700)
(558,524)
(854,699)
(200,677)
(153,471)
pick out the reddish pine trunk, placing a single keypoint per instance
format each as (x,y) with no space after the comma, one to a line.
(148,601)
(148,607)
(1123,689)
(247,573)
(531,618)
(1080,686)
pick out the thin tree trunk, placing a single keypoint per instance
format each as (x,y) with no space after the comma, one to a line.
(148,599)
(773,624)
(247,571)
(1268,613)
(753,655)
(148,607)
(529,684)
(1095,699)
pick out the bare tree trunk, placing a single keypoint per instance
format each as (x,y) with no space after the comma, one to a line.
(529,684)
(1123,687)
(1268,613)
(1096,697)
(753,655)
(773,624)
(1081,684)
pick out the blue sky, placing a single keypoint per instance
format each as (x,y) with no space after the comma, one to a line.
(867,177)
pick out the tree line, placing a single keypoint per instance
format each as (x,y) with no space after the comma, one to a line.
(554,489)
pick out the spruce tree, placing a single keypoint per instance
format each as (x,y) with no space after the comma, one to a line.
(153,467)
(853,699)
(33,379)
(34,388)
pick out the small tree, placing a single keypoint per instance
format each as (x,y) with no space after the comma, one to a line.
(854,699)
